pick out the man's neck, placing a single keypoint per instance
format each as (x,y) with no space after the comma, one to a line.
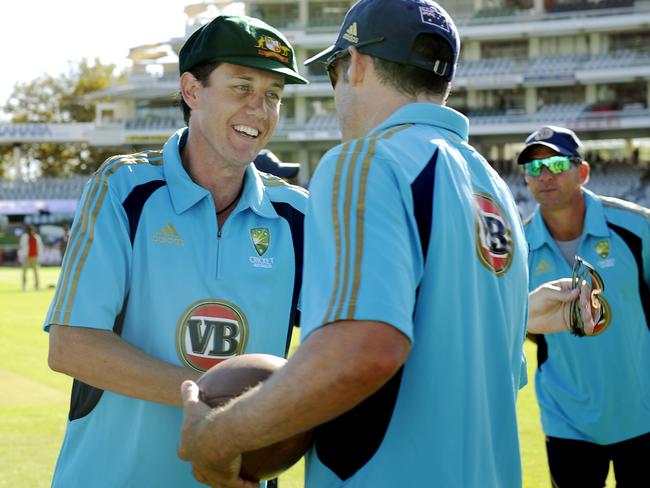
(567,223)
(224,182)
(392,101)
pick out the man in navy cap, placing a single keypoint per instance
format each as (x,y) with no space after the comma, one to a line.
(414,304)
(178,259)
(593,394)
(267,162)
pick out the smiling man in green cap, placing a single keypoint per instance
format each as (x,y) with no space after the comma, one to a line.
(178,259)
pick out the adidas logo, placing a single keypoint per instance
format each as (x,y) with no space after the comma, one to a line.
(351,34)
(543,267)
(168,235)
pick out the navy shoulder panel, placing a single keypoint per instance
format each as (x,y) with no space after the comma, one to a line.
(135,201)
(296,220)
(422,190)
(635,244)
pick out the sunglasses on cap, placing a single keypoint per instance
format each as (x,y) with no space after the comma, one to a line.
(583,271)
(332,60)
(555,164)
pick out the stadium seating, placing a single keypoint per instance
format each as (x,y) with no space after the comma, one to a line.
(327,122)
(43,188)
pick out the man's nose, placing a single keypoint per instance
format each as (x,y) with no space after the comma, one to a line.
(257,105)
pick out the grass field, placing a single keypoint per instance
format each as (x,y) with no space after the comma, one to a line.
(34,400)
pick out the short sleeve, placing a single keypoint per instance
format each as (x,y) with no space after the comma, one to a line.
(94,277)
(360,261)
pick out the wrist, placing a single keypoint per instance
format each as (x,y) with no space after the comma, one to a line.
(216,437)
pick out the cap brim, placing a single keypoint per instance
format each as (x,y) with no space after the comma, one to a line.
(287,171)
(321,56)
(523,155)
(266,64)
(283,170)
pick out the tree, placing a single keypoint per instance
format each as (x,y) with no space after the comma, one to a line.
(60,99)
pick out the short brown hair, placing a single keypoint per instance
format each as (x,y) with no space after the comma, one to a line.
(411,80)
(202,73)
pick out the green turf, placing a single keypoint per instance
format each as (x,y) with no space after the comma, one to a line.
(34,400)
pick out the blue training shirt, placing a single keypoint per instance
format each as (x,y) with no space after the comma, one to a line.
(146,260)
(410,226)
(597,389)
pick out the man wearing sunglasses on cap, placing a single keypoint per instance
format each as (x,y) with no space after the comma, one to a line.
(593,393)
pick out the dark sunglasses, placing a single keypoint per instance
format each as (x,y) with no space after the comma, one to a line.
(333,59)
(583,271)
(555,164)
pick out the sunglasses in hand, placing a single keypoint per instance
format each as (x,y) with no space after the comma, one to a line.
(583,271)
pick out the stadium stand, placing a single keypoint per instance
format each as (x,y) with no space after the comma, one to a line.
(43,188)
(582,64)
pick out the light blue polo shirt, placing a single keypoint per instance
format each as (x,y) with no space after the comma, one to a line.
(196,295)
(412,227)
(597,389)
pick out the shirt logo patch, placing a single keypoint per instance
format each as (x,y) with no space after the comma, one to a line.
(351,34)
(494,244)
(543,267)
(602,248)
(168,235)
(272,48)
(210,331)
(261,237)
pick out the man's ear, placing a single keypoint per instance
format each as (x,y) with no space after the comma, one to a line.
(189,89)
(358,67)
(585,171)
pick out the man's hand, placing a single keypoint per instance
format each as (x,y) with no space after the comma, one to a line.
(212,464)
(549,307)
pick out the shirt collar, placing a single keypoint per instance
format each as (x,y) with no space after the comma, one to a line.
(429,114)
(254,195)
(595,222)
(185,193)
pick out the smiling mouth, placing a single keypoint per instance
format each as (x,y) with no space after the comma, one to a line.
(247,131)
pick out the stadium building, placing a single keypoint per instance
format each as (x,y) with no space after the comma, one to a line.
(584,64)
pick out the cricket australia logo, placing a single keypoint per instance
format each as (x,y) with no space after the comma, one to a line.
(209,332)
(261,237)
(602,248)
(494,244)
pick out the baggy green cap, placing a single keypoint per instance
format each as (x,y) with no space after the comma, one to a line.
(241,40)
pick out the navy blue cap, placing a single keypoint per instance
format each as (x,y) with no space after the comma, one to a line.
(562,140)
(267,162)
(387,29)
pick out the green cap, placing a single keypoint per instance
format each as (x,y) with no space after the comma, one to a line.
(241,40)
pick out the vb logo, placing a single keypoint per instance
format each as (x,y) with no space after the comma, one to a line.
(494,237)
(210,331)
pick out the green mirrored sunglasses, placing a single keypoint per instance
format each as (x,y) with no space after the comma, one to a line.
(555,164)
